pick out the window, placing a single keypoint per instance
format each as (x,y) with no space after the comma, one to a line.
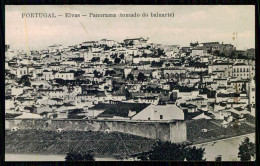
(161,116)
(248,70)
(149,118)
(244,70)
(240,69)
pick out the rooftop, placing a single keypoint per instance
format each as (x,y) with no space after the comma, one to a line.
(120,109)
(214,130)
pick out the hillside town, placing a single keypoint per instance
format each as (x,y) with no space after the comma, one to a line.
(208,87)
(135,79)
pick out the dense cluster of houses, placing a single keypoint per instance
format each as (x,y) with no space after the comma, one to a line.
(134,79)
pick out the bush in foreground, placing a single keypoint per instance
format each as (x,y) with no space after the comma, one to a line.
(75,156)
(246,150)
(172,151)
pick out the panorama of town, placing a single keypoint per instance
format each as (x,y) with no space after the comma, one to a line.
(205,91)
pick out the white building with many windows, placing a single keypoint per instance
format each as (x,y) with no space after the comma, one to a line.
(241,71)
(65,75)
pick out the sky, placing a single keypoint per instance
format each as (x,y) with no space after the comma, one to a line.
(200,23)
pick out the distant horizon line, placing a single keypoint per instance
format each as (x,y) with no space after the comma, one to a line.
(129,38)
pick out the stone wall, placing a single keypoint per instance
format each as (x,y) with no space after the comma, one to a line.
(165,131)
(178,131)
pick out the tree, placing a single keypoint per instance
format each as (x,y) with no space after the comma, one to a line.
(216,52)
(160,52)
(194,154)
(27,83)
(106,48)
(79,73)
(109,72)
(151,76)
(241,56)
(113,56)
(122,56)
(25,80)
(75,156)
(106,60)
(172,151)
(161,102)
(141,77)
(172,85)
(130,77)
(131,43)
(172,97)
(222,54)
(123,76)
(182,60)
(243,89)
(114,87)
(246,150)
(95,59)
(233,55)
(97,74)
(127,94)
(117,60)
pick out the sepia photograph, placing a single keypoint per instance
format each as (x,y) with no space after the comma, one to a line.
(130,83)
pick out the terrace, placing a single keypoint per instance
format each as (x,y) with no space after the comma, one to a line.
(214,131)
(52,142)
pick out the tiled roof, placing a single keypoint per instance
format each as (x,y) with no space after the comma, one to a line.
(119,109)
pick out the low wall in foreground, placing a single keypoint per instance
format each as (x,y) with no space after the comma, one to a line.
(166,131)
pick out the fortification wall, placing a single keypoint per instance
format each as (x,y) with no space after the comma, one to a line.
(165,131)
